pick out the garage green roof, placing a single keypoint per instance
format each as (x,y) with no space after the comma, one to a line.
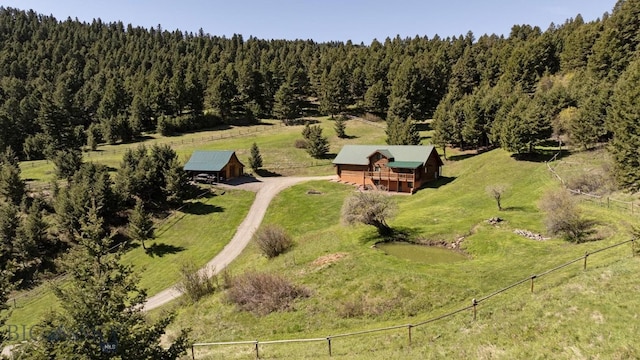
(410,155)
(208,160)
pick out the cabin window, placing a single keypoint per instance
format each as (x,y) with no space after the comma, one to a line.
(376,182)
(376,168)
(410,185)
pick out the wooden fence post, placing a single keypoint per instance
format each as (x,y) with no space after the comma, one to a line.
(474,302)
(532,277)
(193,355)
(329,343)
(410,326)
(257,351)
(586,255)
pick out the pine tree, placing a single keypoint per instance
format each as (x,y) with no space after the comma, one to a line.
(340,127)
(67,162)
(375,99)
(31,243)
(286,105)
(622,120)
(402,132)
(5,288)
(255,159)
(140,224)
(221,95)
(317,145)
(12,187)
(176,181)
(101,313)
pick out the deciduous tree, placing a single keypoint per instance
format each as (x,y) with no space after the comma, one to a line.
(370,208)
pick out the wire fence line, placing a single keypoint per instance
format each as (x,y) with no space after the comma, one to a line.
(473,307)
(241,132)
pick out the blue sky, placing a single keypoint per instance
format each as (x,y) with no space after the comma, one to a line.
(325,20)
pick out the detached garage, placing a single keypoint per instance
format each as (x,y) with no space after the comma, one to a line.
(223,164)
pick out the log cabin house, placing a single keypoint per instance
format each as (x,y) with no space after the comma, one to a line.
(222,164)
(399,168)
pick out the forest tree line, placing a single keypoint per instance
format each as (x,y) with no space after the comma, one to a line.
(68,83)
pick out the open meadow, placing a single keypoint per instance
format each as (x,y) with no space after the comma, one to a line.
(356,287)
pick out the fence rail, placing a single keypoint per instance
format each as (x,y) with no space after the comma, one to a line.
(473,307)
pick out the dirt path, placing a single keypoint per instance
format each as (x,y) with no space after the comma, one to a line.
(267,189)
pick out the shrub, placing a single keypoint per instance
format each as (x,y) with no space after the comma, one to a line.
(272,240)
(300,144)
(195,284)
(372,117)
(597,181)
(262,293)
(563,216)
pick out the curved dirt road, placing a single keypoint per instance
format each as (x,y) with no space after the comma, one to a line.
(267,189)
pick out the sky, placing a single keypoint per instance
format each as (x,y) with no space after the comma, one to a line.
(325,20)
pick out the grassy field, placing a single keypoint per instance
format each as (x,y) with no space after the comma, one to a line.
(356,287)
(276,143)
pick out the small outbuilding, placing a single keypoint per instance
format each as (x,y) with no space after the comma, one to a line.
(399,168)
(220,164)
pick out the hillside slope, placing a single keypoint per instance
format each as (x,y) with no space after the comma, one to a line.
(356,287)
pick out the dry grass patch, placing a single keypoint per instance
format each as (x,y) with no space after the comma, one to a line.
(326,260)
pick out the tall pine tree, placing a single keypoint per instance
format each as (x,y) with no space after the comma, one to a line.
(622,120)
(101,309)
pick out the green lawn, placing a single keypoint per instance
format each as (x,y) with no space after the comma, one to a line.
(349,277)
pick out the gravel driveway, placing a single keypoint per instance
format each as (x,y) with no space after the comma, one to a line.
(266,189)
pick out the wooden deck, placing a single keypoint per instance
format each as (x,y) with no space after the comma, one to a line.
(390,176)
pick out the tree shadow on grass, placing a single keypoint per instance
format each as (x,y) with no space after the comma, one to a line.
(162,249)
(350,137)
(267,173)
(404,234)
(423,126)
(541,156)
(328,156)
(517,208)
(435,184)
(461,157)
(198,208)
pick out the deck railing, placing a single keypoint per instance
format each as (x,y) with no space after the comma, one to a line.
(385,175)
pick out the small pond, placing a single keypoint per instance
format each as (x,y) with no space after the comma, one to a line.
(421,253)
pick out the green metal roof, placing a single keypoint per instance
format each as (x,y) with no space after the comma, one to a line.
(404,164)
(208,160)
(384,152)
(359,154)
